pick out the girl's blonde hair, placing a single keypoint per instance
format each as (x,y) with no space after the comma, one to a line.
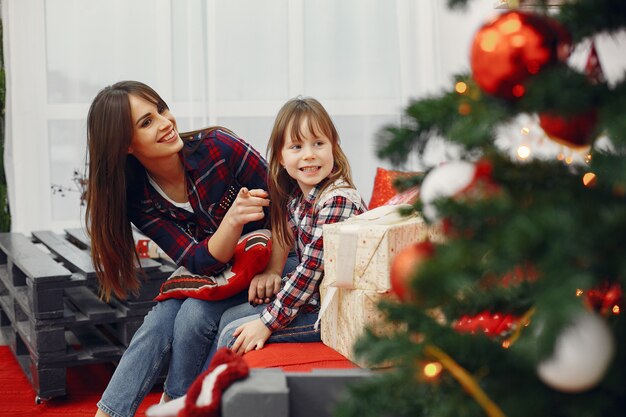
(296,113)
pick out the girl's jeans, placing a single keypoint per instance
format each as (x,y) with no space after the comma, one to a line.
(299,330)
(186,326)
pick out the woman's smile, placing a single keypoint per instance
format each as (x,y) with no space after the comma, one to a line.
(169,137)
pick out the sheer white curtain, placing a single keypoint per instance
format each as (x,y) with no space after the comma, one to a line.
(227,62)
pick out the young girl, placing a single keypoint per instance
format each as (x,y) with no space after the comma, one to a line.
(194,197)
(309,185)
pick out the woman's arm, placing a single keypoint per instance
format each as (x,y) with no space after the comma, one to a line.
(247,207)
(217,159)
(249,169)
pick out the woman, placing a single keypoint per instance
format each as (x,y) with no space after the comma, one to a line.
(194,196)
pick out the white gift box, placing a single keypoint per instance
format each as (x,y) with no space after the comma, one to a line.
(357,259)
(358,252)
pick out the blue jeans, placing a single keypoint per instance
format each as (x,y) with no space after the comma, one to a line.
(187,327)
(299,330)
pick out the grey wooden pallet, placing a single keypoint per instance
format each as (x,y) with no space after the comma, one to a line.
(50,313)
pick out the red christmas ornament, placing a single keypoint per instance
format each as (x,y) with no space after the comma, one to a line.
(593,67)
(404,265)
(490,324)
(515,46)
(519,274)
(605,299)
(574,131)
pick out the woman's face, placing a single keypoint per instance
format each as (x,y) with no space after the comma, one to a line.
(155,134)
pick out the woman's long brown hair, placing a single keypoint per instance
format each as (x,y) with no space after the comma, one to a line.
(280,185)
(111,173)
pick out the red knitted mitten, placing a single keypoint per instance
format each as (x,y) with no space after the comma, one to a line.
(204,397)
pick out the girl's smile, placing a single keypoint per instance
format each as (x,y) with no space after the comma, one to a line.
(311,170)
(308,161)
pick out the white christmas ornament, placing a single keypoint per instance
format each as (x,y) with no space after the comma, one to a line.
(445,181)
(581,355)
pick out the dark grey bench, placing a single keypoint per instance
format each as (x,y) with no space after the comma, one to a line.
(50,313)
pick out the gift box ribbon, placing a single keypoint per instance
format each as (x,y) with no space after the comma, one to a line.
(351,249)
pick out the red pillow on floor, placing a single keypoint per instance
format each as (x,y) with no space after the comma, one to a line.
(251,256)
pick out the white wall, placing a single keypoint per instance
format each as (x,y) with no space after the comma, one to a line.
(215,62)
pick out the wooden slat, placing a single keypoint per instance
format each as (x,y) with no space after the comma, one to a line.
(94,342)
(89,304)
(74,259)
(33,262)
(78,237)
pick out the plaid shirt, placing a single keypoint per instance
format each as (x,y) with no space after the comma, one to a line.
(217,165)
(300,289)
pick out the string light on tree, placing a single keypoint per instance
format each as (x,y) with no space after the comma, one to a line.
(460,87)
(589,179)
(432,370)
(523,152)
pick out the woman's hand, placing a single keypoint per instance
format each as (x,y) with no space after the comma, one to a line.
(247,207)
(251,335)
(263,287)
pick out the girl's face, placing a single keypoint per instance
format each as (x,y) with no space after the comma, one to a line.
(310,161)
(154,131)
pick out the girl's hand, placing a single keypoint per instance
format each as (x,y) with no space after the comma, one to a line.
(247,207)
(251,335)
(263,287)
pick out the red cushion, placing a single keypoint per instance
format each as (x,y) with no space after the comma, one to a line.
(251,256)
(383,186)
(297,357)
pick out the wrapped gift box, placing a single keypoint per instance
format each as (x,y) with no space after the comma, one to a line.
(357,259)
(358,252)
(346,317)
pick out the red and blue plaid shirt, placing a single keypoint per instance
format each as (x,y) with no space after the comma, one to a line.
(217,165)
(300,289)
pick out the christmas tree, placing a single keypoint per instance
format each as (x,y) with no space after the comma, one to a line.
(516,312)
